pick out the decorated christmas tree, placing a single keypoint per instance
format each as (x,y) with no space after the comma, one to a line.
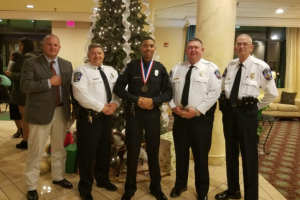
(120,37)
(119,26)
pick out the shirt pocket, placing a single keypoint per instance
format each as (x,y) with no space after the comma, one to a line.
(250,87)
(200,84)
(96,85)
(228,85)
(155,84)
(176,84)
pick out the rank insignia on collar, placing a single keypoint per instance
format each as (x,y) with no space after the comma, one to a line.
(112,75)
(267,74)
(77,76)
(201,73)
(218,74)
(224,73)
(123,70)
(252,76)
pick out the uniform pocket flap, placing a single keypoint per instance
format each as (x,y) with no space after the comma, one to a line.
(201,79)
(96,80)
(250,82)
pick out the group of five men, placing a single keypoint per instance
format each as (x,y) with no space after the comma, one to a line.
(191,89)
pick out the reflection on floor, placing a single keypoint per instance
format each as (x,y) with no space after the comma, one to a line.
(12,184)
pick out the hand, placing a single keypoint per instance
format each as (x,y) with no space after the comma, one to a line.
(111,108)
(105,109)
(145,103)
(191,112)
(56,80)
(177,110)
(7,73)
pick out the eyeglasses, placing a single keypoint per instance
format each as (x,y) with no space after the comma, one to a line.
(242,44)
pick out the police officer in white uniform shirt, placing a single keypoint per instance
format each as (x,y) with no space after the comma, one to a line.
(92,88)
(241,83)
(196,87)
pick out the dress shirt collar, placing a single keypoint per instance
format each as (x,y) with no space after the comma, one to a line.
(93,66)
(188,64)
(246,63)
(49,59)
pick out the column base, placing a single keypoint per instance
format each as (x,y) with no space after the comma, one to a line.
(216,160)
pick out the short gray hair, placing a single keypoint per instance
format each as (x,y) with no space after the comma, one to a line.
(245,35)
(95,45)
(50,35)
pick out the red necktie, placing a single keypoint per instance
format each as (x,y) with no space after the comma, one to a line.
(54,73)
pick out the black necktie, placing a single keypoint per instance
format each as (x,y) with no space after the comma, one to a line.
(235,88)
(186,88)
(106,84)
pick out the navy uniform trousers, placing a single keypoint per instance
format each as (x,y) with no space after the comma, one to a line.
(135,124)
(93,142)
(195,133)
(240,131)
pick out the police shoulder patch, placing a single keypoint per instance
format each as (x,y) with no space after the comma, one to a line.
(267,74)
(218,74)
(123,70)
(224,73)
(77,76)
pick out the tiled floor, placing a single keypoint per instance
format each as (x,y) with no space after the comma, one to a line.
(13,187)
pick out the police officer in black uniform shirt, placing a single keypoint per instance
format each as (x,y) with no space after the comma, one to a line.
(148,88)
(242,81)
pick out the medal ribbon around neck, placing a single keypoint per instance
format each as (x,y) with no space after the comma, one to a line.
(145,77)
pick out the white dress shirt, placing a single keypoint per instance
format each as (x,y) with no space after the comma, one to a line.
(252,79)
(205,85)
(89,89)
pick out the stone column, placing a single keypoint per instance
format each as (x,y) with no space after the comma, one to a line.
(215,27)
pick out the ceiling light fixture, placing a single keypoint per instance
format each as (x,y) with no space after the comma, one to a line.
(274,37)
(0,20)
(279,11)
(30,6)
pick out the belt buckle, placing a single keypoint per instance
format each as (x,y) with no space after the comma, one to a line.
(233,105)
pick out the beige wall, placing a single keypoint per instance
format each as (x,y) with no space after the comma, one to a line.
(170,56)
(72,41)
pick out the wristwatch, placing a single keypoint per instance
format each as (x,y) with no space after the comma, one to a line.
(197,112)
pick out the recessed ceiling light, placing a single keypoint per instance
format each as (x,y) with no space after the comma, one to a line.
(30,6)
(237,27)
(279,10)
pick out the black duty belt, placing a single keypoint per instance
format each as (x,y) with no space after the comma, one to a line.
(247,103)
(91,112)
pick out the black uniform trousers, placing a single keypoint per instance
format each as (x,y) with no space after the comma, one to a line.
(150,121)
(240,131)
(195,133)
(93,142)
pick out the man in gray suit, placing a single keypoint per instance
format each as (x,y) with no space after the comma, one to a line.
(46,80)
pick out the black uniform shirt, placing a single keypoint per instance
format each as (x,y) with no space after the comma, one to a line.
(158,84)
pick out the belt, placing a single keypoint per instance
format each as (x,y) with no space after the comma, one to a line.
(129,105)
(238,103)
(91,112)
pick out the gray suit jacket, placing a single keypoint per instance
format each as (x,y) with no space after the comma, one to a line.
(40,100)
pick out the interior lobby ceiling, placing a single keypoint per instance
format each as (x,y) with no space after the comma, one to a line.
(79,10)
